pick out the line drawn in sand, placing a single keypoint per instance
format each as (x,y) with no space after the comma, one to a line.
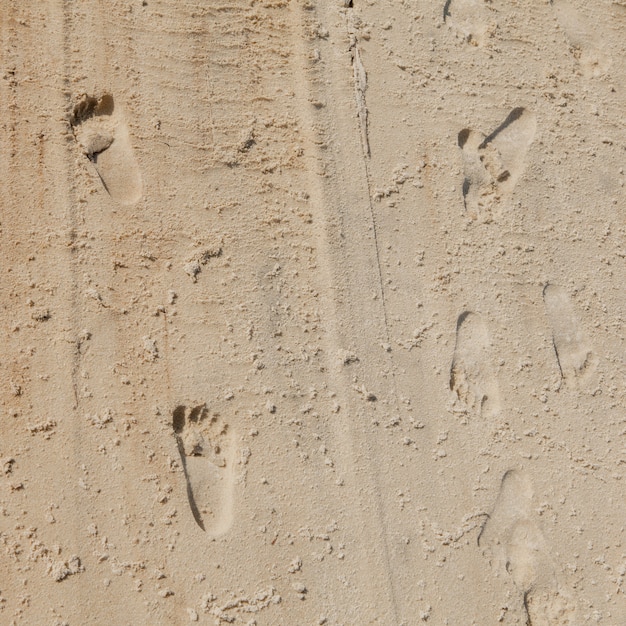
(472,376)
(573,352)
(206,448)
(513,542)
(493,164)
(585,45)
(360,84)
(471,19)
(102,133)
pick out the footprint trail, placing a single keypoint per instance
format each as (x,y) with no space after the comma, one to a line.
(102,133)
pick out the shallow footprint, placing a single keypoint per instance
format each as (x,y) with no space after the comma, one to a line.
(585,45)
(515,545)
(207,451)
(471,19)
(103,135)
(472,377)
(493,164)
(573,352)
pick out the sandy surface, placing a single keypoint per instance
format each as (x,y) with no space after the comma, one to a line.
(312,313)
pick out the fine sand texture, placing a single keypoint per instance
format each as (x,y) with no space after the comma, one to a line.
(312,312)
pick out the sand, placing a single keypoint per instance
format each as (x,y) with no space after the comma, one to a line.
(312,312)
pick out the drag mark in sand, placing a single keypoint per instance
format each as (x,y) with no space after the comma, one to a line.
(360,85)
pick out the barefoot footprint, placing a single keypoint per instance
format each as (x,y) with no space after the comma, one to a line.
(585,45)
(513,542)
(205,444)
(472,377)
(471,19)
(493,165)
(101,132)
(574,354)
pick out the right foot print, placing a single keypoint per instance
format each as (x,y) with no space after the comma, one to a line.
(585,46)
(207,453)
(574,355)
(471,19)
(472,377)
(493,164)
(100,130)
(514,544)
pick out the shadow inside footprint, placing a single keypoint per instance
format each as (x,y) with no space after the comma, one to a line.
(102,133)
(179,424)
(493,164)
(206,451)
(472,377)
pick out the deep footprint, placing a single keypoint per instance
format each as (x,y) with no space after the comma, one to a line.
(471,19)
(573,352)
(101,132)
(493,164)
(206,449)
(585,45)
(515,545)
(472,377)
